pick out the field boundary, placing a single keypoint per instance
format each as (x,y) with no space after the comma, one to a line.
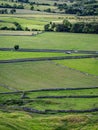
(70,96)
(50,50)
(47,58)
(57,111)
(82,72)
(50,111)
(50,89)
(7,87)
(20,33)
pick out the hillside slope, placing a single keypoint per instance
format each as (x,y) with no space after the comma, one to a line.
(25,121)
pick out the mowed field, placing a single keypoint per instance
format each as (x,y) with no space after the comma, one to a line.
(36,75)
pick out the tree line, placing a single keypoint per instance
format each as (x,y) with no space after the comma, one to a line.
(5,11)
(80,8)
(17,27)
(15,6)
(79,27)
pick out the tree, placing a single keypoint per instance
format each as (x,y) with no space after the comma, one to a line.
(19,27)
(32,7)
(60,28)
(47,10)
(77,27)
(16,47)
(53,26)
(46,27)
(55,4)
(27,29)
(12,11)
(67,25)
(4,11)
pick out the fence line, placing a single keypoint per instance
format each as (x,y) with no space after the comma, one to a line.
(50,50)
(47,58)
(50,89)
(58,111)
(70,96)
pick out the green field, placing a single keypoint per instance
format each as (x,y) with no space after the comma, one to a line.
(48,74)
(15,119)
(7,55)
(89,66)
(17,33)
(36,75)
(27,6)
(24,121)
(3,89)
(63,93)
(52,103)
(37,20)
(52,41)
(45,72)
(32,94)
(18,55)
(32,23)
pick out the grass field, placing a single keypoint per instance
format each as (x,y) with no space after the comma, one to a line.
(63,104)
(17,33)
(27,6)
(35,75)
(63,93)
(74,73)
(55,74)
(6,55)
(25,121)
(37,20)
(53,41)
(2,24)
(30,21)
(18,55)
(13,119)
(3,89)
(48,1)
(89,66)
(24,22)
(51,104)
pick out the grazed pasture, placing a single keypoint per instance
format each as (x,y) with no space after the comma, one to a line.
(67,41)
(55,74)
(35,75)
